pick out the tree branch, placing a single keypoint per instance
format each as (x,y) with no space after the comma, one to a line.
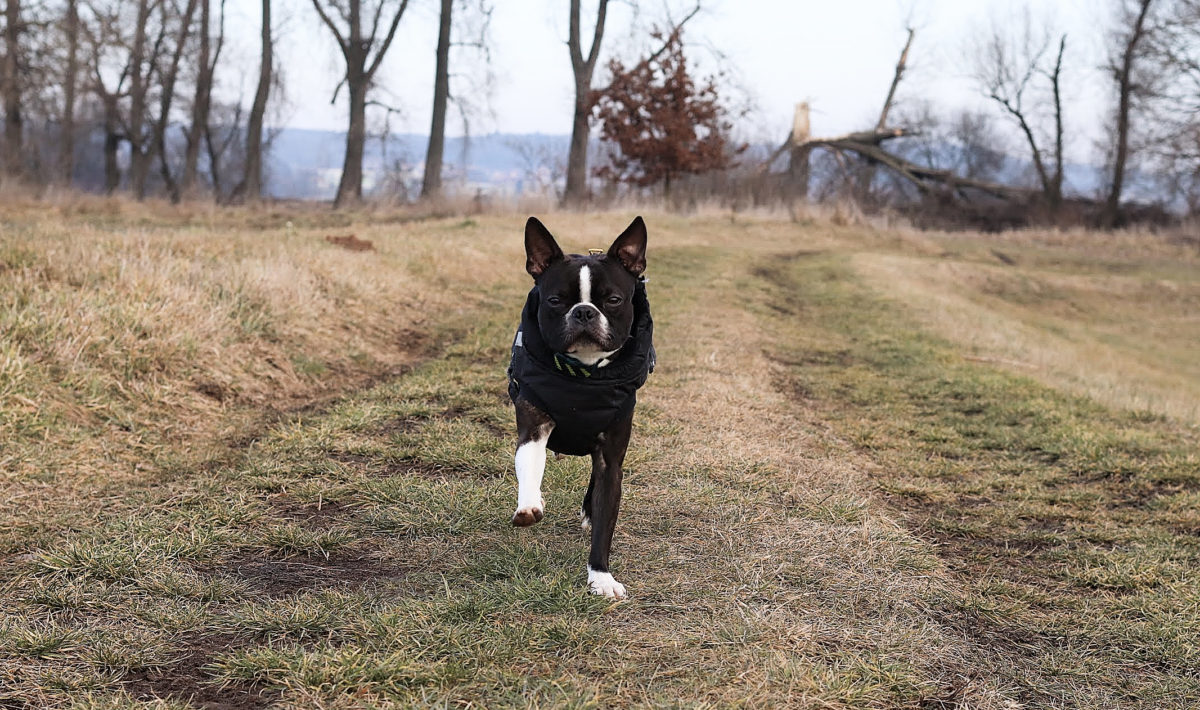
(387,42)
(332,28)
(900,66)
(671,37)
(597,35)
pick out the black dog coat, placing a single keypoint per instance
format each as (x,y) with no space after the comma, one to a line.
(582,400)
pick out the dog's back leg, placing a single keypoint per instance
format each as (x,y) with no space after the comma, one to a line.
(585,512)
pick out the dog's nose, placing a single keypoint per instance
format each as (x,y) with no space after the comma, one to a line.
(583,314)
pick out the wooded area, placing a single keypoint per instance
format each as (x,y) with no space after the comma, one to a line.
(1153,67)
(118,95)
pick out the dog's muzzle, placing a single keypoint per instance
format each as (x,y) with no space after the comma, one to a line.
(586,321)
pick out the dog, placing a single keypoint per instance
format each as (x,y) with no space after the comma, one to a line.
(584,347)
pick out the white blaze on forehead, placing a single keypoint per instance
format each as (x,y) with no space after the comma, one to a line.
(585,284)
(588,357)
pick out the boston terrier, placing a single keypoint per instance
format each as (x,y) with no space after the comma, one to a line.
(584,347)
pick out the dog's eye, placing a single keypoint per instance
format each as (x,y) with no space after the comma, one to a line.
(554,301)
(615,300)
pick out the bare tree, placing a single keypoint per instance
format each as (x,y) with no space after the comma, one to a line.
(129,50)
(866,170)
(167,76)
(70,80)
(583,69)
(1173,56)
(202,96)
(1008,69)
(361,65)
(106,82)
(250,187)
(1122,67)
(222,139)
(431,186)
(542,166)
(143,55)
(466,27)
(11,87)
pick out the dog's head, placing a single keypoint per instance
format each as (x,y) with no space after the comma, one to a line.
(586,306)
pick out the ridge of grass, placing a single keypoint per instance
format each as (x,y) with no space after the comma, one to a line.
(1069,530)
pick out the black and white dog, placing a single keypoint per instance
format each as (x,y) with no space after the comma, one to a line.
(584,347)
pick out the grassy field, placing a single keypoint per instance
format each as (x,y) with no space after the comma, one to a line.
(244,468)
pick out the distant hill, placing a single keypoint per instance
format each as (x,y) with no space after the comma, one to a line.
(307,164)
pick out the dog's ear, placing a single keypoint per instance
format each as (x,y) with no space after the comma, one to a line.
(540,248)
(630,247)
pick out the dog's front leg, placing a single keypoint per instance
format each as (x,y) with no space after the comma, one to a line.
(607,461)
(533,431)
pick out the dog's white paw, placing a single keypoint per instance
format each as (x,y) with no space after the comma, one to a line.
(527,515)
(585,522)
(602,583)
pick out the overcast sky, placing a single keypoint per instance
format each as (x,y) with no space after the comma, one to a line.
(837,54)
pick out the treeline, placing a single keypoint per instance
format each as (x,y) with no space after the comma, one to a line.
(85,82)
(1006,165)
(120,95)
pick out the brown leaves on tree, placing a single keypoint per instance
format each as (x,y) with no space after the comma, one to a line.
(659,122)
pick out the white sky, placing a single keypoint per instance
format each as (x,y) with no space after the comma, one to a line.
(838,55)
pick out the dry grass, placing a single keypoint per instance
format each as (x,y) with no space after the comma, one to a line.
(1114,317)
(825,507)
(123,347)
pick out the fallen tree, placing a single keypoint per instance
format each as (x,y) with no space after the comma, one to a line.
(868,147)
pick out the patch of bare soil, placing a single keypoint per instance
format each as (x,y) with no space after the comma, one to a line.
(280,578)
(186,679)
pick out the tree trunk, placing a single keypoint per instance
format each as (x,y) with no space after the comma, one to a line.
(200,104)
(139,153)
(1055,195)
(251,185)
(112,141)
(1124,77)
(13,123)
(576,189)
(167,97)
(356,50)
(575,193)
(214,163)
(866,172)
(1034,152)
(431,186)
(67,154)
(350,188)
(798,160)
(901,65)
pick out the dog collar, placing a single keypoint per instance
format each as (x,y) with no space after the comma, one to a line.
(571,366)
